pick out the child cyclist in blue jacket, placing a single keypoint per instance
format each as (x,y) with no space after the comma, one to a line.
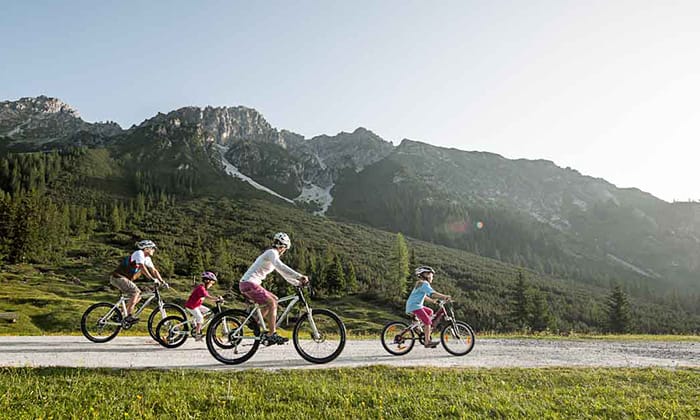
(422,291)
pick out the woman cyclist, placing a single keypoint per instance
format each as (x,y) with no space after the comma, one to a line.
(251,282)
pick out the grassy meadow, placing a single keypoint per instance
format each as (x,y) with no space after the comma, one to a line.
(371,392)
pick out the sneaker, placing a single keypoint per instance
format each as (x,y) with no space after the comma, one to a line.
(431,344)
(275,338)
(130,319)
(198,337)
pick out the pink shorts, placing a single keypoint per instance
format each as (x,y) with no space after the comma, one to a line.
(255,292)
(424,314)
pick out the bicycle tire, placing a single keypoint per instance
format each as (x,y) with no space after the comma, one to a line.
(172,331)
(152,323)
(394,338)
(448,338)
(329,325)
(226,347)
(86,326)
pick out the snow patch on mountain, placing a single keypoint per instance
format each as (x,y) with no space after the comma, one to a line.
(234,172)
(314,193)
(629,266)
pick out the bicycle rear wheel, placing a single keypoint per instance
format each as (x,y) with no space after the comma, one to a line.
(324,346)
(397,338)
(156,317)
(101,322)
(457,338)
(231,339)
(172,331)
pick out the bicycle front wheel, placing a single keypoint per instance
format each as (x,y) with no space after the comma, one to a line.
(101,322)
(326,342)
(156,316)
(457,338)
(172,331)
(232,337)
(397,338)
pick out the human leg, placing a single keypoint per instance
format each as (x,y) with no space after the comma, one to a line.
(424,314)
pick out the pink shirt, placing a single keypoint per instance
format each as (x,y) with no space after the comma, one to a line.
(197,297)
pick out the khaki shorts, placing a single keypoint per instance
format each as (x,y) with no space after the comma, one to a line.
(127,287)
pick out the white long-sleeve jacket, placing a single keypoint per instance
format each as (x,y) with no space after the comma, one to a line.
(265,264)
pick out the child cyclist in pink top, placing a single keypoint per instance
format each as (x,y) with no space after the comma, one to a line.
(194,302)
(251,282)
(422,291)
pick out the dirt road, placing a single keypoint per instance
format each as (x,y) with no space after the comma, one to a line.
(142,352)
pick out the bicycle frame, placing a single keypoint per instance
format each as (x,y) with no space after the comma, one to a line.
(446,312)
(121,305)
(294,299)
(189,322)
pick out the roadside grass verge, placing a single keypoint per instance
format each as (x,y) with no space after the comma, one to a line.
(369,392)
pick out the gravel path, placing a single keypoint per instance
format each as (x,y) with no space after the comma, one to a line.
(142,352)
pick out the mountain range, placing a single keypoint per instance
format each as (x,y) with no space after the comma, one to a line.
(525,212)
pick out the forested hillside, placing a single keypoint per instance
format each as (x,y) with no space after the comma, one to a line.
(67,216)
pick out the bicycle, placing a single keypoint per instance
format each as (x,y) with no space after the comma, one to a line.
(457,337)
(102,321)
(172,331)
(235,334)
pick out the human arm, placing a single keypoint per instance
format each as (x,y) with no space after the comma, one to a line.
(436,295)
(214,299)
(292,277)
(151,271)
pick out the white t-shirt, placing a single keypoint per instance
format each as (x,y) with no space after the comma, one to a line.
(139,257)
(265,264)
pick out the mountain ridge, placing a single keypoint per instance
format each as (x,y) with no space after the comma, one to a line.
(432,193)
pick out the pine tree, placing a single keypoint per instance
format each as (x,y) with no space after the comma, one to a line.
(541,318)
(399,270)
(335,277)
(519,313)
(115,219)
(351,284)
(618,311)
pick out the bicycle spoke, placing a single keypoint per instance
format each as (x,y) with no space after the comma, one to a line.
(232,337)
(101,322)
(319,338)
(457,338)
(397,338)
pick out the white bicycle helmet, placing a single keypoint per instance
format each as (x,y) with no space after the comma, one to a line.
(282,238)
(208,275)
(423,269)
(145,244)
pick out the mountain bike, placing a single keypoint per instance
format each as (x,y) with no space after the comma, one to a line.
(235,334)
(172,331)
(457,337)
(102,321)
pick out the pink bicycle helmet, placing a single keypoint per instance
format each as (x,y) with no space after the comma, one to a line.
(208,275)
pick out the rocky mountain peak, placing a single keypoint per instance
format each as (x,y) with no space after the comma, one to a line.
(40,120)
(38,105)
(220,125)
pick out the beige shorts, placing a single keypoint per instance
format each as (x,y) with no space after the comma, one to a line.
(127,287)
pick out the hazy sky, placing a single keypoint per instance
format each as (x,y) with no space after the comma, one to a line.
(610,88)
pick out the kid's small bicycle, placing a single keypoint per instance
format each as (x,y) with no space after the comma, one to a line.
(173,331)
(457,337)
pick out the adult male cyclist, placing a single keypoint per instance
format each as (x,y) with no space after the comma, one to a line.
(130,269)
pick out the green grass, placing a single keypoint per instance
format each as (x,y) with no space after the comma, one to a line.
(373,392)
